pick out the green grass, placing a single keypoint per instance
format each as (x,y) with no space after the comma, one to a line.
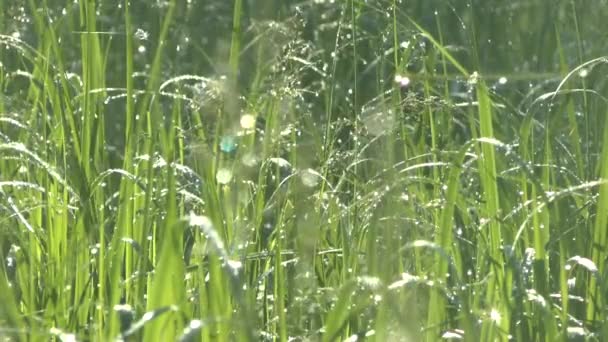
(303,170)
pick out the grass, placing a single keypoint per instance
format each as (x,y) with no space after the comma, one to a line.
(303,170)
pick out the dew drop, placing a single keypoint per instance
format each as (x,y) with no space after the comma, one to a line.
(247,121)
(223,176)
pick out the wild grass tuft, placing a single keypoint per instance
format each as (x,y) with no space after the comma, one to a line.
(303,170)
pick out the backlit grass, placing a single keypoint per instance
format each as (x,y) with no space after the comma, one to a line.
(303,170)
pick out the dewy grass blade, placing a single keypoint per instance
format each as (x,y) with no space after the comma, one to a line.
(495,295)
(596,289)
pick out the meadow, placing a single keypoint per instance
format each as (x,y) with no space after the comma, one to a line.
(303,170)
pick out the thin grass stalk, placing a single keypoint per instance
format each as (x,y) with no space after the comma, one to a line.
(585,104)
(444,239)
(496,295)
(235,42)
(595,296)
(127,191)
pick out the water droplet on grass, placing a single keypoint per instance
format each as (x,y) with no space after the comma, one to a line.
(473,79)
(248,122)
(141,34)
(191,331)
(583,73)
(62,336)
(495,316)
(453,335)
(402,81)
(223,176)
